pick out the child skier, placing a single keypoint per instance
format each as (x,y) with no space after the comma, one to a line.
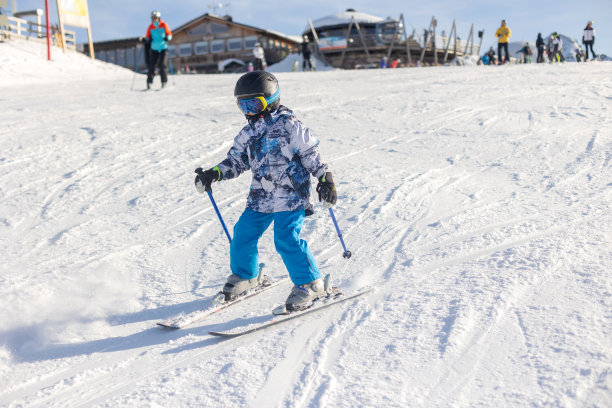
(282,155)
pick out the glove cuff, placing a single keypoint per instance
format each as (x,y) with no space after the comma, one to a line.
(326,178)
(218,172)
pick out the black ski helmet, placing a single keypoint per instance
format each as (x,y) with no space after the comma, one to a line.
(258,83)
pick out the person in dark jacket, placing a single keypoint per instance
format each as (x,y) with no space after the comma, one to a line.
(306,55)
(540,46)
(588,39)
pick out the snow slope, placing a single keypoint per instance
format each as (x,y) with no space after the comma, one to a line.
(476,200)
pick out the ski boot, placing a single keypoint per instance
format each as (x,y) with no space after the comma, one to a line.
(302,296)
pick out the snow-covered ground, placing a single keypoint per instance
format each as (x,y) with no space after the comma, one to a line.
(477,200)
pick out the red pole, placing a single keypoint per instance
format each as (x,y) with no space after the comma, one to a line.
(48,30)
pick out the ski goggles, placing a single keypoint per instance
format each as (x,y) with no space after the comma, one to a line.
(256,104)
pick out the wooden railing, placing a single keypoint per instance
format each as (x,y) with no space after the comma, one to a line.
(24,29)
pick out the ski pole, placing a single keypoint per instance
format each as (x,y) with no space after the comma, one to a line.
(347,254)
(136,69)
(212,200)
(171,70)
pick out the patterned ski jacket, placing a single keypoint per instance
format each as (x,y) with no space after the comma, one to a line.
(281,154)
(159,34)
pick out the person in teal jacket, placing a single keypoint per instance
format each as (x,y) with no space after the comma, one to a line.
(158,35)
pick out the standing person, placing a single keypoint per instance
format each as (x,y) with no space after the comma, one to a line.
(588,39)
(282,154)
(158,35)
(550,48)
(306,55)
(383,62)
(557,43)
(503,35)
(260,60)
(540,46)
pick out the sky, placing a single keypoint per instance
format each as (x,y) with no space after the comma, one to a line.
(115,19)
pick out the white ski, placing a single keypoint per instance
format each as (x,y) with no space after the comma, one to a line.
(218,303)
(280,317)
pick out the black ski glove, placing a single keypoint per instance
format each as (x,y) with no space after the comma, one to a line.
(205,178)
(327,189)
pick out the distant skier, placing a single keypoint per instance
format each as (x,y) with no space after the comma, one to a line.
(158,35)
(383,63)
(282,155)
(540,46)
(557,43)
(306,56)
(526,51)
(260,59)
(490,56)
(588,39)
(503,35)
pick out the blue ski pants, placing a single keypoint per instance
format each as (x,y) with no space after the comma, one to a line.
(244,257)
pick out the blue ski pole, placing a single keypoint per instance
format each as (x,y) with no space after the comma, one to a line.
(347,254)
(212,200)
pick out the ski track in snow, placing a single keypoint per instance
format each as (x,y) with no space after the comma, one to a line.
(475,199)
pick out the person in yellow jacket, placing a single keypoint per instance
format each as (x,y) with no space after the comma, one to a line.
(503,35)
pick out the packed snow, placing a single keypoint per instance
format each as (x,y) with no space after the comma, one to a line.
(475,200)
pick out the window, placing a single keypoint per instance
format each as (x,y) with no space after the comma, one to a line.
(201,48)
(101,55)
(234,44)
(172,51)
(249,42)
(198,31)
(216,28)
(217,46)
(184,50)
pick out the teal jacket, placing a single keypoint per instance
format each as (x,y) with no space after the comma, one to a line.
(159,34)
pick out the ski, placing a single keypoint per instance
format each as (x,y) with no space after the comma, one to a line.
(279,317)
(218,303)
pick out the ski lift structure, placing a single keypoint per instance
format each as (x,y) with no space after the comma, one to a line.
(352,40)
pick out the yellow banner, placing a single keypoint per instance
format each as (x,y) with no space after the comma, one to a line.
(74,12)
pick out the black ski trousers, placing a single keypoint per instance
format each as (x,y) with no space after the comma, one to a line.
(503,46)
(540,54)
(588,44)
(157,59)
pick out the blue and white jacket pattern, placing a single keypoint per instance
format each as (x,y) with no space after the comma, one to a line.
(281,154)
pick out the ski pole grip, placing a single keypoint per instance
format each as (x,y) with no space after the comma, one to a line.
(200,172)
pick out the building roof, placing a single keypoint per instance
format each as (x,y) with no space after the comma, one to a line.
(344,17)
(228,19)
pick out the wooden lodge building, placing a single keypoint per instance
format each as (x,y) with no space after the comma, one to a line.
(353,39)
(207,44)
